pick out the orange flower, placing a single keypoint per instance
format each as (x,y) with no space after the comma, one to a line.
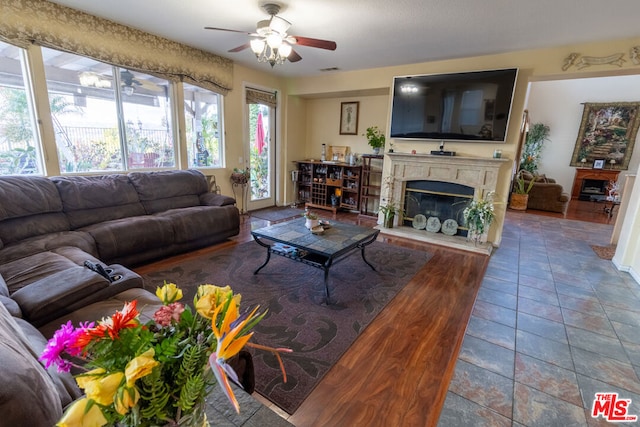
(127,318)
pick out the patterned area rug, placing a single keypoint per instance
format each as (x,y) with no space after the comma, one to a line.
(297,316)
(604,252)
(277,213)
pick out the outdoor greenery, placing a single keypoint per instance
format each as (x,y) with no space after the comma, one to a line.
(537,135)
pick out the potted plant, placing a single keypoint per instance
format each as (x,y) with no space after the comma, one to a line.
(520,193)
(389,211)
(536,136)
(312,219)
(240,176)
(375,138)
(478,217)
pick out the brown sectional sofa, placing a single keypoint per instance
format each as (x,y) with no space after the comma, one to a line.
(49,228)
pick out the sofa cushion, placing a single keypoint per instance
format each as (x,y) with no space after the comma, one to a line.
(24,271)
(189,223)
(12,307)
(28,195)
(92,199)
(53,294)
(17,229)
(4,291)
(27,392)
(48,242)
(129,235)
(160,191)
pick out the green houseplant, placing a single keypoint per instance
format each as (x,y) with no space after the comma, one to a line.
(536,136)
(478,216)
(375,138)
(389,211)
(520,193)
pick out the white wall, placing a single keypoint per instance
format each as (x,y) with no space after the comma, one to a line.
(558,104)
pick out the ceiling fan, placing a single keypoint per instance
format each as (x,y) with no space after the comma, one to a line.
(128,81)
(271,43)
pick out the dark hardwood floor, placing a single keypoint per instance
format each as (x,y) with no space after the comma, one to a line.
(398,371)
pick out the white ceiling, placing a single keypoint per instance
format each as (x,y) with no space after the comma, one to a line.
(378,33)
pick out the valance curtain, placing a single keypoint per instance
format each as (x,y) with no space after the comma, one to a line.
(255,96)
(23,22)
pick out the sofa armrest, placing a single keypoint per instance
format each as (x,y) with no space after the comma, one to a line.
(12,307)
(55,293)
(213,199)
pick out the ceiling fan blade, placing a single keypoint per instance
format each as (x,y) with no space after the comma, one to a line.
(322,44)
(294,56)
(239,48)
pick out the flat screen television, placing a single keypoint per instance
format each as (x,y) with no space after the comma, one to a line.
(468,106)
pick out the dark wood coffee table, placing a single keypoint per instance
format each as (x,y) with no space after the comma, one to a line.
(293,240)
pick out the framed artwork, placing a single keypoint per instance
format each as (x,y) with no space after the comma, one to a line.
(349,118)
(607,132)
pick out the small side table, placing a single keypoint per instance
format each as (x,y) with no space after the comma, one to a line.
(609,205)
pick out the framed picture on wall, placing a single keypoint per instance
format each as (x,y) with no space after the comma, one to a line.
(607,132)
(349,118)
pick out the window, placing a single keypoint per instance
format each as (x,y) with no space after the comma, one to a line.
(19,144)
(202,116)
(104,118)
(99,128)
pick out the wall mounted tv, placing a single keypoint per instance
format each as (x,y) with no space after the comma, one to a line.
(468,106)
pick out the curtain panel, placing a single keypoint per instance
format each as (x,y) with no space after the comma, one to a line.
(256,96)
(23,22)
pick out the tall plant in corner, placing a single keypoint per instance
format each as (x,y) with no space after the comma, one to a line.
(537,135)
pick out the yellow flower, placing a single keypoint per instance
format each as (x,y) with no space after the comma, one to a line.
(169,293)
(126,398)
(78,416)
(210,296)
(99,387)
(140,366)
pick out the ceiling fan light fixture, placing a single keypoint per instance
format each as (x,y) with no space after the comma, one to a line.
(257,46)
(285,50)
(274,40)
(128,90)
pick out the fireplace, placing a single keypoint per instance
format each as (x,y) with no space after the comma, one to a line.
(444,186)
(424,199)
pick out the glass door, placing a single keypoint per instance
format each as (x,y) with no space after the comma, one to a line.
(261,153)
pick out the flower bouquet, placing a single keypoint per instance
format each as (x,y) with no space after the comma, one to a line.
(158,373)
(478,216)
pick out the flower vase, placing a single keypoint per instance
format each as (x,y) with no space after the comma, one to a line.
(376,150)
(311,223)
(475,237)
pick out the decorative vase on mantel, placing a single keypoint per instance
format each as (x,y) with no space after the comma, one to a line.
(475,237)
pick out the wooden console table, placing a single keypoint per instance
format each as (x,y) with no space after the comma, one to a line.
(591,174)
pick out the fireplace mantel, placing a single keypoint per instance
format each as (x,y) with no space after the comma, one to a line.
(481,173)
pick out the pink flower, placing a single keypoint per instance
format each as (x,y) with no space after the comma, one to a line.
(168,313)
(63,340)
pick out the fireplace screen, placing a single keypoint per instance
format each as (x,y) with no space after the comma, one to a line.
(436,206)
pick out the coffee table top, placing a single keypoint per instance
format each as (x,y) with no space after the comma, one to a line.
(338,238)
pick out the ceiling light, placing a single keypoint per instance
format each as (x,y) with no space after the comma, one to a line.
(128,90)
(409,89)
(271,49)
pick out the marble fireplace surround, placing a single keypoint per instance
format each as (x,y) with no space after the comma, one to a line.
(480,173)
